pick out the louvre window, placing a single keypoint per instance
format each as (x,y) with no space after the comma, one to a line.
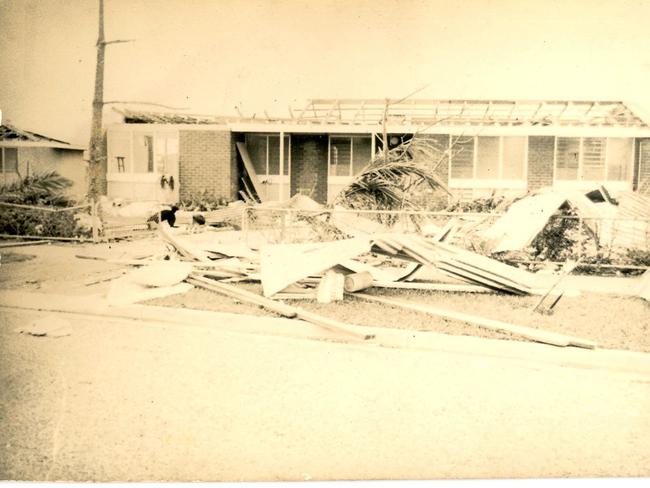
(567,158)
(349,154)
(462,159)
(593,158)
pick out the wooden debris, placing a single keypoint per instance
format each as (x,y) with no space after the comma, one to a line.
(243,295)
(527,332)
(358,281)
(44,238)
(456,262)
(250,169)
(450,287)
(523,220)
(284,264)
(566,269)
(26,243)
(278,307)
(184,248)
(330,288)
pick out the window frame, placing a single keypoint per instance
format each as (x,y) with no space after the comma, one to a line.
(580,179)
(350,138)
(499,182)
(3,159)
(128,175)
(287,152)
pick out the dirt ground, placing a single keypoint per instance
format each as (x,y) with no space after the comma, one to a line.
(612,321)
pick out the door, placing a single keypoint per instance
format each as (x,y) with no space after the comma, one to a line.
(265,153)
(166,157)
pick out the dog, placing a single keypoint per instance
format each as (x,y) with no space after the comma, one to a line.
(167,215)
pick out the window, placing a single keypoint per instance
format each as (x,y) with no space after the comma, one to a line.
(619,158)
(264,151)
(462,158)
(488,157)
(349,154)
(142,153)
(593,158)
(513,166)
(9,157)
(132,151)
(567,158)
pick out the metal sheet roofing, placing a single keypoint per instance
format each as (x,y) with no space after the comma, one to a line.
(12,136)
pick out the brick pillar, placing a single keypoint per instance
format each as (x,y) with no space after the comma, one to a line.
(309,166)
(540,161)
(207,163)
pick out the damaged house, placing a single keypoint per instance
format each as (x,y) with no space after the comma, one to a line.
(510,147)
(24,153)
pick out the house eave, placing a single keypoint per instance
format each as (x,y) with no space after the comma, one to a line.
(51,145)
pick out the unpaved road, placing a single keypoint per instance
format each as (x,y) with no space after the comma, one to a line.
(122,400)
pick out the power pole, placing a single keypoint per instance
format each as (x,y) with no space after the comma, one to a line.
(96,169)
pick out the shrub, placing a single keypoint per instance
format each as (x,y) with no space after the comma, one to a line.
(20,221)
(203,201)
(38,189)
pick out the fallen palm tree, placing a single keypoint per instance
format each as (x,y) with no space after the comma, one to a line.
(388,182)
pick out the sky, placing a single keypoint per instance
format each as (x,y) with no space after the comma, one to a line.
(211,56)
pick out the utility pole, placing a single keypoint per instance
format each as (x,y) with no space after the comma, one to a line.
(96,169)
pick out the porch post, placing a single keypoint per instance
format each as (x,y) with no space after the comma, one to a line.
(281,196)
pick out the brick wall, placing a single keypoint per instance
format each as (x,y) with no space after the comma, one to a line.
(309,166)
(207,163)
(540,161)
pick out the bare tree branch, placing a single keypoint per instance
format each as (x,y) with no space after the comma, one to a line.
(117,41)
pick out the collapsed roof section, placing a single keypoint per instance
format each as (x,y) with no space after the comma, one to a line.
(11,136)
(509,113)
(472,112)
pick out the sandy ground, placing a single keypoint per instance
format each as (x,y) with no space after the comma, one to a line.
(127,400)
(613,322)
(142,401)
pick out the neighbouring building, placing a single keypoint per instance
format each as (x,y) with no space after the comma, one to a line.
(24,153)
(505,146)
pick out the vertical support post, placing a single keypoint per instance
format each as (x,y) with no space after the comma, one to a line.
(373,146)
(94,214)
(281,196)
(581,241)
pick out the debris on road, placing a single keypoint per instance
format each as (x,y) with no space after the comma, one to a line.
(49,326)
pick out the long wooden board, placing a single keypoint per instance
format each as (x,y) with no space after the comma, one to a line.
(278,307)
(527,332)
(250,169)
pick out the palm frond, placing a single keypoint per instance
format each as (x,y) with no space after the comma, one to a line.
(385,183)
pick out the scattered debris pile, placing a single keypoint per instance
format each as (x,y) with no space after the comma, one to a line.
(557,226)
